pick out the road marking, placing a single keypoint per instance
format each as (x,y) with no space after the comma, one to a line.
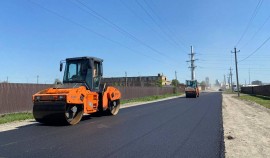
(11,143)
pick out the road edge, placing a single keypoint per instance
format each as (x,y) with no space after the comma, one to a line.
(18,124)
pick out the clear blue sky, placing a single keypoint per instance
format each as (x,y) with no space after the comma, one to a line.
(140,37)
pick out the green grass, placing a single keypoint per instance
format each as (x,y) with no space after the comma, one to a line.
(15,117)
(149,98)
(229,91)
(259,99)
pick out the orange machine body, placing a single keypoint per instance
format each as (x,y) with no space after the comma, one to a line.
(192,89)
(81,93)
(91,101)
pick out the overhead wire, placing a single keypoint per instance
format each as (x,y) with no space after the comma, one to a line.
(120,29)
(156,23)
(253,36)
(180,43)
(92,31)
(250,21)
(142,19)
(257,49)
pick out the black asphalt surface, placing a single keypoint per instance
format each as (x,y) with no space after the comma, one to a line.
(181,127)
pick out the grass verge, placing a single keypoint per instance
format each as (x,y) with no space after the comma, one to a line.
(229,91)
(15,117)
(149,98)
(259,99)
(23,116)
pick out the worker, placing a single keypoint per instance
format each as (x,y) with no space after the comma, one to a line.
(96,78)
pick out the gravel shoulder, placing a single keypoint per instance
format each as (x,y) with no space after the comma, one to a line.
(246,128)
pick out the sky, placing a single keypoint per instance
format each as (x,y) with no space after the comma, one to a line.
(139,37)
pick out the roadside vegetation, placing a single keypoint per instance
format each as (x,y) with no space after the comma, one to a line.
(259,99)
(15,117)
(229,91)
(24,116)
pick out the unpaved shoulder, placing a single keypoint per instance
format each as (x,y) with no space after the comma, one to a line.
(248,127)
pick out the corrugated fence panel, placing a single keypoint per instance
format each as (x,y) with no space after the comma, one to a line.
(15,97)
(257,90)
(138,92)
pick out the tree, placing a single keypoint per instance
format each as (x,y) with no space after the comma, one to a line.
(203,83)
(175,82)
(159,83)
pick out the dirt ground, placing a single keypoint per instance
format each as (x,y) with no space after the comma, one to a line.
(246,128)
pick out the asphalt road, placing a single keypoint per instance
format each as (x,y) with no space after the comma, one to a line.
(181,127)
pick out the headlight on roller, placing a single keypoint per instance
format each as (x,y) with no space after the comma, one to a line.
(37,98)
(62,97)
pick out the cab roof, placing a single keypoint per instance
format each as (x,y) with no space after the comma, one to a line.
(85,57)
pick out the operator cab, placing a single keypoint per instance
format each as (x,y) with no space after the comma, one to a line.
(191,83)
(87,70)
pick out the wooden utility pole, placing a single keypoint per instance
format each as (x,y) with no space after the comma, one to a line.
(236,68)
(176,81)
(126,79)
(231,78)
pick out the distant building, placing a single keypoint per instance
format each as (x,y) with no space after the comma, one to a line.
(257,82)
(142,81)
(217,83)
(207,82)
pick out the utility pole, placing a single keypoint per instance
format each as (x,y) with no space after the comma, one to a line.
(37,79)
(236,68)
(126,79)
(229,83)
(224,81)
(231,78)
(192,65)
(249,76)
(176,83)
(7,79)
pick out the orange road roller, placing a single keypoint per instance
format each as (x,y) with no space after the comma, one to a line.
(81,92)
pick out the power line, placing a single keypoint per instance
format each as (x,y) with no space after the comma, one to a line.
(256,49)
(168,28)
(92,31)
(162,36)
(257,31)
(250,20)
(118,28)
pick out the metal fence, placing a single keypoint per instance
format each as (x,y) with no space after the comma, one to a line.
(257,90)
(138,92)
(16,97)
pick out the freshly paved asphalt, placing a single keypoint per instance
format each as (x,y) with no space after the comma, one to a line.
(181,127)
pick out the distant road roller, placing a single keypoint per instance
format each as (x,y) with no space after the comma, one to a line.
(192,89)
(80,93)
